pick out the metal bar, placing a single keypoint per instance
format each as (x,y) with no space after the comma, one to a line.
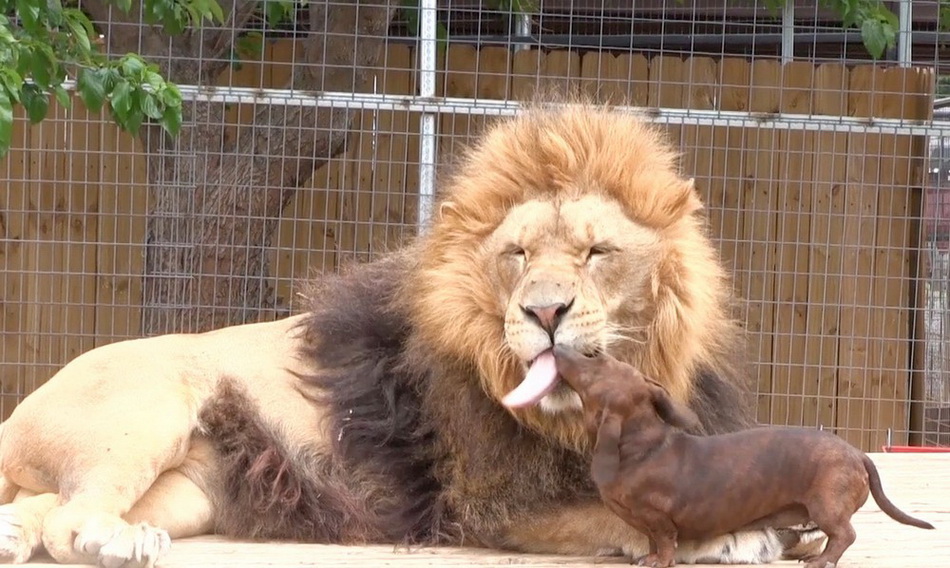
(428,38)
(485,107)
(788,31)
(905,39)
(523,30)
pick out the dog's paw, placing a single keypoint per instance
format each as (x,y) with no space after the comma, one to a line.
(123,546)
(18,537)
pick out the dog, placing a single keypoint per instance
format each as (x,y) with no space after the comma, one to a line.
(670,484)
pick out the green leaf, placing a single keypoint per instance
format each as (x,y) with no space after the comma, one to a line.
(40,67)
(79,31)
(6,123)
(12,83)
(54,11)
(91,88)
(276,11)
(29,12)
(132,65)
(35,101)
(250,45)
(149,104)
(944,15)
(110,77)
(133,120)
(121,99)
(874,37)
(62,96)
(216,12)
(171,96)
(171,120)
(154,80)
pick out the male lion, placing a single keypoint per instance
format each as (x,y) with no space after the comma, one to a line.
(377,415)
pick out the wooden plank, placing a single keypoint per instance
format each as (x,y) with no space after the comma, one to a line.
(47,206)
(901,174)
(14,203)
(622,79)
(396,156)
(78,231)
(759,219)
(666,89)
(824,254)
(858,238)
(789,363)
(123,206)
(535,72)
(460,80)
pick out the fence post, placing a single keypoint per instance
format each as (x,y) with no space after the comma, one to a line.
(428,36)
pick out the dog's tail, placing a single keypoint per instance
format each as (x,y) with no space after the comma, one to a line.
(877,491)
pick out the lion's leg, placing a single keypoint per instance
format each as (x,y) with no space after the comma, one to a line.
(88,528)
(175,503)
(105,481)
(21,525)
(591,529)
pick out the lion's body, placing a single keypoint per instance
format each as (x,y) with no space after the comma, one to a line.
(375,416)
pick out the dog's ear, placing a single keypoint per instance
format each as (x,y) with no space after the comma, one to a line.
(672,412)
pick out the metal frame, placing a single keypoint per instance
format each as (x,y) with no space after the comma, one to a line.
(457,105)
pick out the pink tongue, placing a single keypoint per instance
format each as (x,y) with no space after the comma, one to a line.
(539,381)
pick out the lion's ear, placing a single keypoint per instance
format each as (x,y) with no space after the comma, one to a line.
(687,200)
(446,209)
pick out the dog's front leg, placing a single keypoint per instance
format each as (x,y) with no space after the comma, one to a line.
(590,529)
(605,465)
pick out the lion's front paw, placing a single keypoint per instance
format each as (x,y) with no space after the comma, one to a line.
(125,546)
(803,542)
(19,537)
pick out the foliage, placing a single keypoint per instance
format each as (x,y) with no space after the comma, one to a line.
(43,44)
(878,24)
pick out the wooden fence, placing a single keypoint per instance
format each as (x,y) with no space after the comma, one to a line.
(819,227)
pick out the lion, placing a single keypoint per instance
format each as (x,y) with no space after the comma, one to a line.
(414,400)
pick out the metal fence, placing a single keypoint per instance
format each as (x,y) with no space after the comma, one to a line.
(823,172)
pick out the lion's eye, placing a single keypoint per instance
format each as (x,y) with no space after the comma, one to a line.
(599,250)
(515,250)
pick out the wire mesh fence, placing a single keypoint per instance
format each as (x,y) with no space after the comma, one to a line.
(825,176)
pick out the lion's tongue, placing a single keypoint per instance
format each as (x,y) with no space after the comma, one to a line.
(540,379)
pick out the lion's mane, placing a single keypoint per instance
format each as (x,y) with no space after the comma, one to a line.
(411,358)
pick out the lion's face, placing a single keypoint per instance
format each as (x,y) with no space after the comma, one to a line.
(575,227)
(567,273)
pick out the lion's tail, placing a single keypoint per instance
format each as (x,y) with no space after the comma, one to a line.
(877,491)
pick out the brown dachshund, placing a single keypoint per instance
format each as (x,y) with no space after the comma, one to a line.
(669,484)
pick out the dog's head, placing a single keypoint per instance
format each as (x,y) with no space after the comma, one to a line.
(607,384)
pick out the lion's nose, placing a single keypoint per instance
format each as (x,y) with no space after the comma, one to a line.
(548,317)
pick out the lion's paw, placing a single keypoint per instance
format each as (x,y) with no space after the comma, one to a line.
(746,547)
(123,546)
(18,537)
(802,542)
